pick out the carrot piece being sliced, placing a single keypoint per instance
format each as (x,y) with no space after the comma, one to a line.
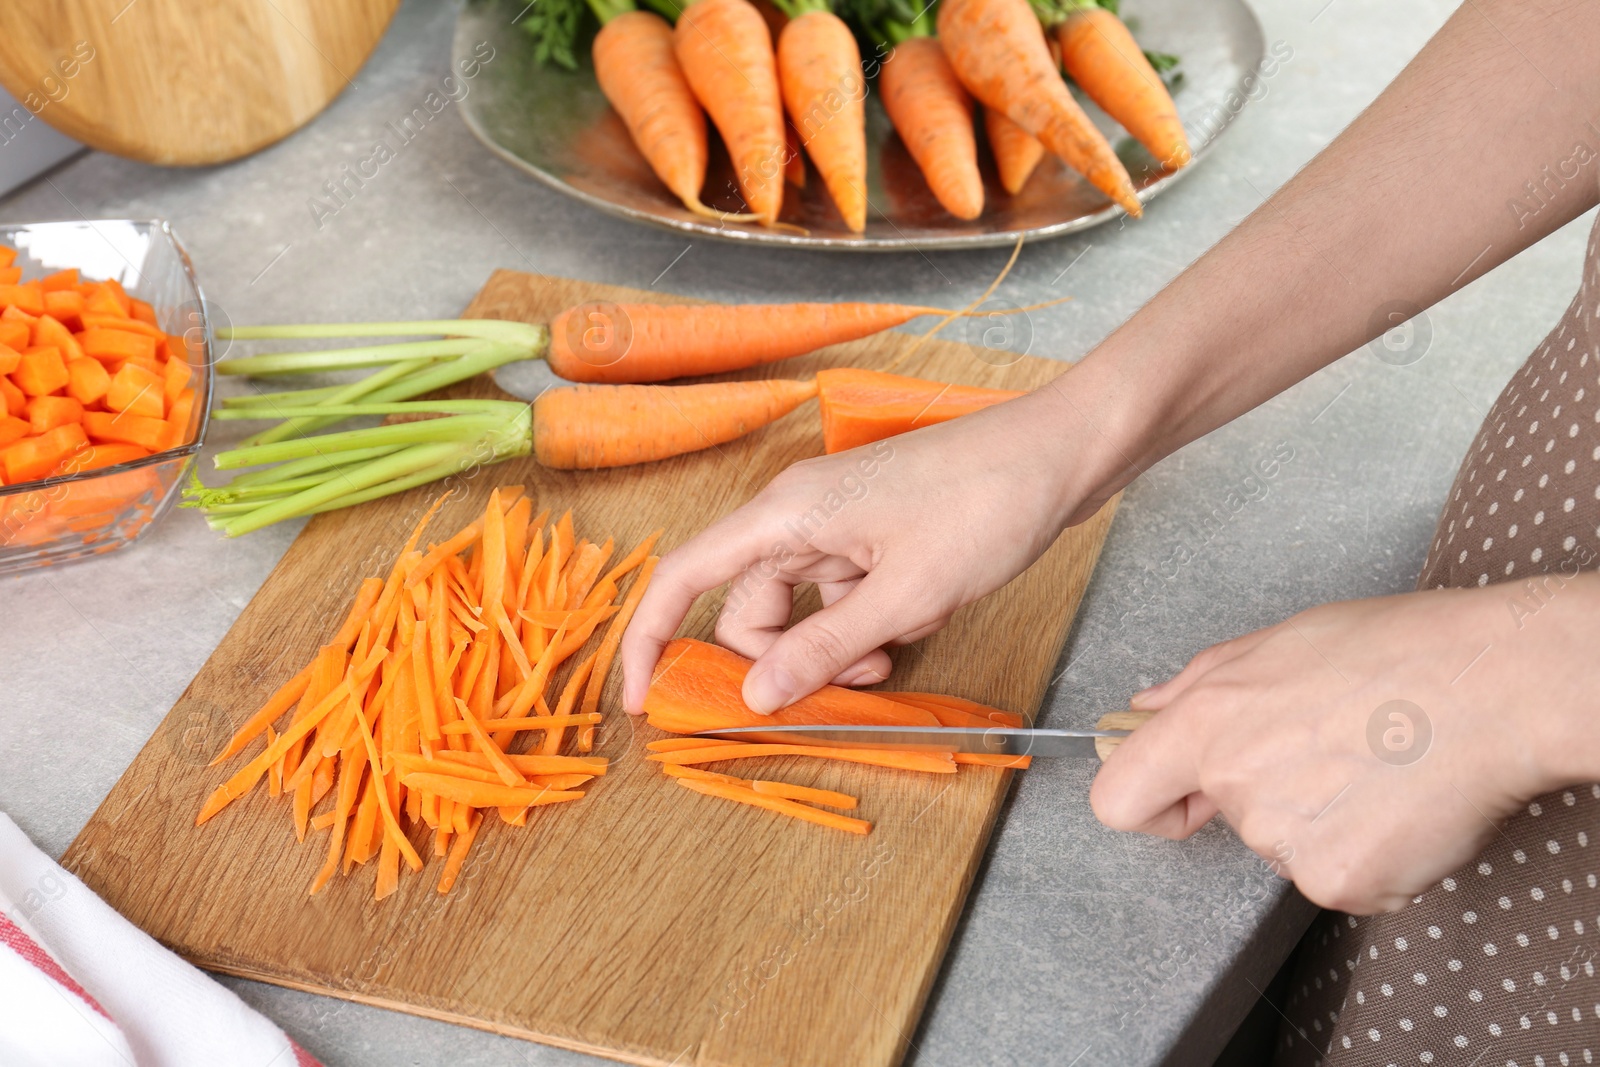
(906,761)
(777,804)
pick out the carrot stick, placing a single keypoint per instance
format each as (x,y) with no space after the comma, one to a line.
(1102,57)
(458,853)
(569,697)
(906,761)
(534,764)
(992,759)
(274,772)
(673,770)
(997,49)
(608,650)
(819,71)
(805,793)
(678,744)
(292,690)
(777,804)
(413,860)
(350,772)
(633,559)
(488,794)
(725,52)
(536,722)
(497,759)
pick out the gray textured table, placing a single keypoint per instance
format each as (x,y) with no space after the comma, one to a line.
(1078,942)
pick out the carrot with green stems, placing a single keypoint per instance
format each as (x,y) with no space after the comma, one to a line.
(1016,151)
(725,51)
(997,49)
(932,113)
(585,427)
(638,72)
(819,73)
(1099,54)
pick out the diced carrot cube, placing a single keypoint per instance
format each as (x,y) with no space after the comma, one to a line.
(45,413)
(10,358)
(65,306)
(117,322)
(88,381)
(10,275)
(116,344)
(15,334)
(41,371)
(15,400)
(35,457)
(124,428)
(124,301)
(8,256)
(60,281)
(137,391)
(97,456)
(178,419)
(28,297)
(48,331)
(177,374)
(101,301)
(13,429)
(142,312)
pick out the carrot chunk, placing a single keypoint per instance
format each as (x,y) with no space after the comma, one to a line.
(123,428)
(137,391)
(33,458)
(45,413)
(87,380)
(105,343)
(41,371)
(27,297)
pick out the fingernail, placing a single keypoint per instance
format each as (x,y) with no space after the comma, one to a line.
(770,690)
(865,676)
(1143,695)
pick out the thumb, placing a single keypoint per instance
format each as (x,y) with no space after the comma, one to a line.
(821,646)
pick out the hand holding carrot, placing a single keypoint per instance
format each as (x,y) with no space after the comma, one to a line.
(929,521)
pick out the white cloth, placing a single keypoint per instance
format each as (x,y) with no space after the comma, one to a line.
(80,986)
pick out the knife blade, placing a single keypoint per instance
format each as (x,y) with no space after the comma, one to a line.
(996,740)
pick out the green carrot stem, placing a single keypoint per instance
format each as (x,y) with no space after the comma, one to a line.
(310,465)
(406,461)
(344,395)
(344,358)
(294,396)
(405,433)
(517,333)
(409,407)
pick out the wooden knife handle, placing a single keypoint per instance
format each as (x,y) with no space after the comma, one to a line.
(1118,720)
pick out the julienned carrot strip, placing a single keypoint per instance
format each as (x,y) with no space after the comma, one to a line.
(608,650)
(569,697)
(292,690)
(678,744)
(784,807)
(906,761)
(488,794)
(413,860)
(497,759)
(350,772)
(806,793)
(578,638)
(535,764)
(991,759)
(517,703)
(536,722)
(458,853)
(673,770)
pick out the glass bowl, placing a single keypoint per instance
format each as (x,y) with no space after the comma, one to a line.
(72,516)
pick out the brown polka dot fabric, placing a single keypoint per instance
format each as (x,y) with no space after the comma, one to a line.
(1496,965)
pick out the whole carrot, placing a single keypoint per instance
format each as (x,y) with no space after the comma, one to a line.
(638,72)
(604,342)
(819,70)
(1101,55)
(726,54)
(932,113)
(1016,151)
(998,50)
(585,427)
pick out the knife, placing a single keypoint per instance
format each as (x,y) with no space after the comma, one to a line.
(996,740)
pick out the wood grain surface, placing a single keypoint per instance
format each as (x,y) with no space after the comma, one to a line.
(643,923)
(180,83)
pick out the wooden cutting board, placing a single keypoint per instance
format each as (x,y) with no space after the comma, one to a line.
(181,83)
(642,923)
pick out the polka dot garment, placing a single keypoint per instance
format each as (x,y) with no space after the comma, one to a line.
(1496,965)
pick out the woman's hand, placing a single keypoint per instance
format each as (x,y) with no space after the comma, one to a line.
(896,535)
(1368,748)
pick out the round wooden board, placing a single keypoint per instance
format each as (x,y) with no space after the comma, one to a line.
(179,83)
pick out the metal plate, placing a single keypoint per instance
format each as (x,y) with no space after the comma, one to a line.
(556,125)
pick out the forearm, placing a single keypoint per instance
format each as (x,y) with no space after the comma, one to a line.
(1414,200)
